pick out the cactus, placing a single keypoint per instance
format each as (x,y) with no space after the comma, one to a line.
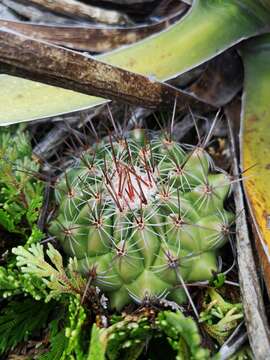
(143,215)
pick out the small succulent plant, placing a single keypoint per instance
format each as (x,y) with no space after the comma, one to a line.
(143,215)
(128,337)
(219,317)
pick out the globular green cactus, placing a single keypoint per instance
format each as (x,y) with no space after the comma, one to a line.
(143,215)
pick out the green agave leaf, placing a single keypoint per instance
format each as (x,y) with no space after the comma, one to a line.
(210,27)
(255,146)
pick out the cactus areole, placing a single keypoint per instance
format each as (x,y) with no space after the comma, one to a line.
(143,215)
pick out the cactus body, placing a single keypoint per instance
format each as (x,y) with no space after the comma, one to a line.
(142,216)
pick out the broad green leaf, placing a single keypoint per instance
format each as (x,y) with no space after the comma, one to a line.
(255,145)
(210,27)
(97,349)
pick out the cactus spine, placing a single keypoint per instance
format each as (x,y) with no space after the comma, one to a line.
(143,215)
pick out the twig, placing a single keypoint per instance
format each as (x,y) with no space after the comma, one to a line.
(256,322)
(43,62)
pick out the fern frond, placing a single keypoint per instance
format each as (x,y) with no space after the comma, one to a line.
(57,348)
(21,193)
(13,282)
(20,319)
(73,331)
(66,343)
(57,279)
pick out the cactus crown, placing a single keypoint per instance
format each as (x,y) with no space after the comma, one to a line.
(143,215)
